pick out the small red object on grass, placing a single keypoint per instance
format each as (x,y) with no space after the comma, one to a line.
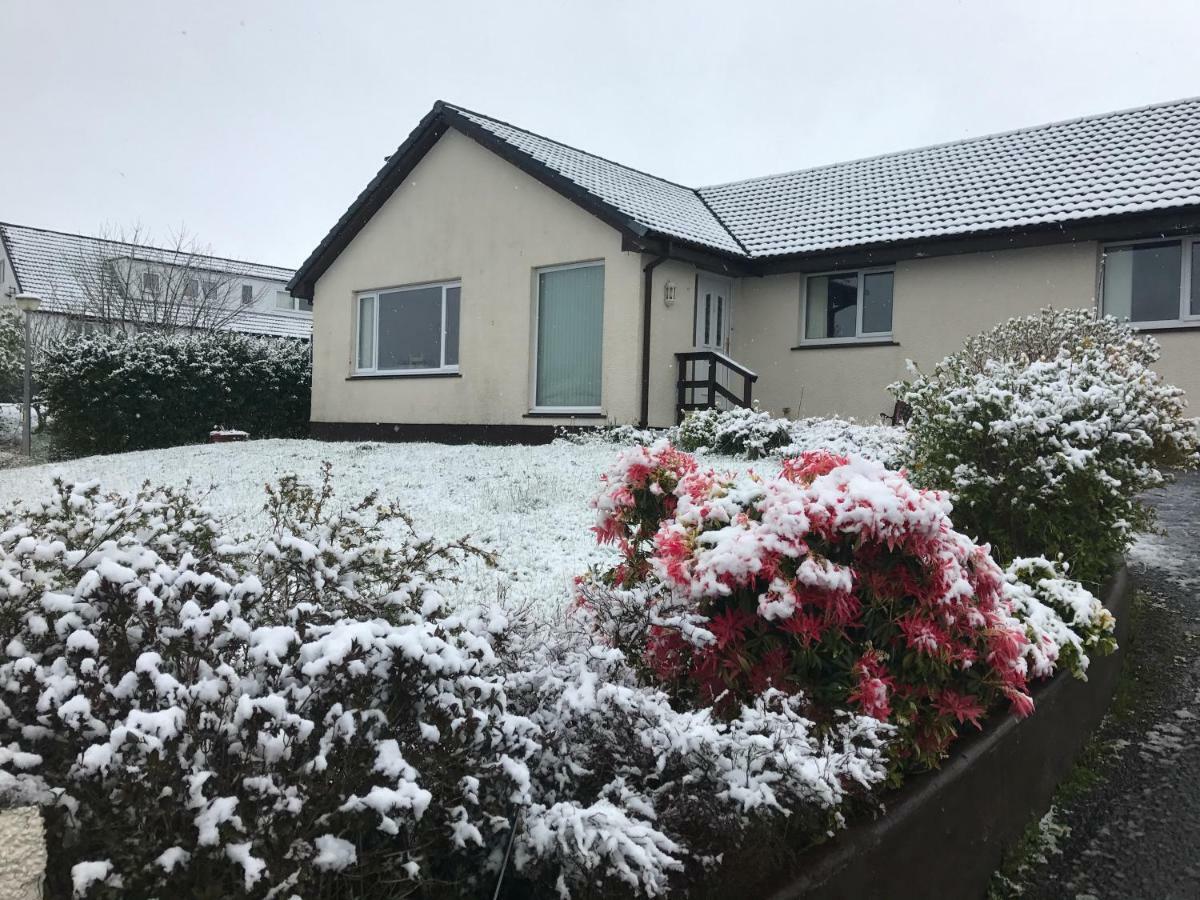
(227,435)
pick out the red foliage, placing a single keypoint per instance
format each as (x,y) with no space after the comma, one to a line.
(838,579)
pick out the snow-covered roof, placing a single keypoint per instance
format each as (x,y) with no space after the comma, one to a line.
(1137,160)
(656,203)
(49,263)
(1133,161)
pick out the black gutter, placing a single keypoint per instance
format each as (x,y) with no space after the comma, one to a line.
(647,306)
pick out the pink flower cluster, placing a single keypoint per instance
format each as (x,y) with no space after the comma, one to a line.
(837,578)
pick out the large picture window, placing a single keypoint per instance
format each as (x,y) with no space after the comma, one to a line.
(568,323)
(1153,282)
(410,330)
(848,306)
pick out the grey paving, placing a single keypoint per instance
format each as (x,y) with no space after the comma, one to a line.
(1134,821)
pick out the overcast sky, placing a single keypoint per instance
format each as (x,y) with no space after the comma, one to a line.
(254,124)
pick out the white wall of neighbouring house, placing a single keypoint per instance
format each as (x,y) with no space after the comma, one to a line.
(464,213)
(937,303)
(8,281)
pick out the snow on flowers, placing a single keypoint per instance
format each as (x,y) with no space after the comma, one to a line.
(838,580)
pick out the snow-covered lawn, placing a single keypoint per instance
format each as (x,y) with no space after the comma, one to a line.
(528,504)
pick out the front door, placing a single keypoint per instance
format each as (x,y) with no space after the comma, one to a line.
(714,308)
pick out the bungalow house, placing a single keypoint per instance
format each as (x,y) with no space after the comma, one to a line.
(493,284)
(98,282)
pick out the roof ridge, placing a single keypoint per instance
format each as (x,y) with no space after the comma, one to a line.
(92,237)
(992,135)
(720,221)
(571,147)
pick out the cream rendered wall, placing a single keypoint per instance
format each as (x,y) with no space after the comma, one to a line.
(1180,363)
(670,333)
(464,213)
(938,302)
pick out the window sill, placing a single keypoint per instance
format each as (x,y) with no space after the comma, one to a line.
(846,345)
(388,375)
(1160,328)
(542,414)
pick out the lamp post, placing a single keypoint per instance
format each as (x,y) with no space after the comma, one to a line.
(28,304)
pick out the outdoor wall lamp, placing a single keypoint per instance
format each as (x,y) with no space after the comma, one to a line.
(669,293)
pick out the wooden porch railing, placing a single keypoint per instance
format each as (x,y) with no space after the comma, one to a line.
(710,387)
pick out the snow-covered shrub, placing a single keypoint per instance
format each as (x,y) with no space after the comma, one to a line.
(838,580)
(631,795)
(623,435)
(882,443)
(300,715)
(1063,620)
(109,393)
(12,354)
(1043,336)
(738,431)
(1046,450)
(754,434)
(199,721)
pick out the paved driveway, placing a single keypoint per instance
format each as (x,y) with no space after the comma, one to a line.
(1130,827)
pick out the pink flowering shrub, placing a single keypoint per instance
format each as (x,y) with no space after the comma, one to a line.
(837,579)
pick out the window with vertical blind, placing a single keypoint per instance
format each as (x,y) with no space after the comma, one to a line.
(568,326)
(408,330)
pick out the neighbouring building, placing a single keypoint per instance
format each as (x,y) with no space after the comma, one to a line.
(493,284)
(88,282)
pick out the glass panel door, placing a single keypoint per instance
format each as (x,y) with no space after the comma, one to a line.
(713,312)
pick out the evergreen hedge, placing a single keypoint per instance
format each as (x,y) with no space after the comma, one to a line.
(111,393)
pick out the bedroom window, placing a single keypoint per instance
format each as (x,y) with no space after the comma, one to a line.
(568,329)
(1153,282)
(848,306)
(408,330)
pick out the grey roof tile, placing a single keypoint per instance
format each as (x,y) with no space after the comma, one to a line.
(48,263)
(657,204)
(1118,163)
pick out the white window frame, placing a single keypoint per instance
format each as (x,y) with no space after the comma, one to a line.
(295,304)
(375,371)
(533,350)
(859,336)
(1186,243)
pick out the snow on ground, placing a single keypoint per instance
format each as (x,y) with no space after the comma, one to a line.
(528,504)
(1159,552)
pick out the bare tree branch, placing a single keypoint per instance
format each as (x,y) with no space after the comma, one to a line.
(128,286)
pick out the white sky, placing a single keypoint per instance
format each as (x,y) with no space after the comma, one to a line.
(254,124)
